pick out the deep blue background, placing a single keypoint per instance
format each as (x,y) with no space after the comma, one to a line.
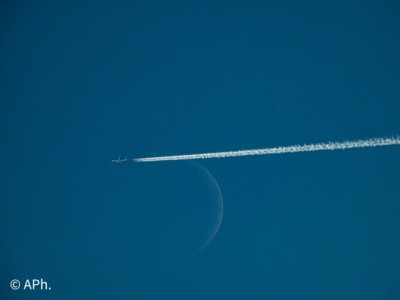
(82,82)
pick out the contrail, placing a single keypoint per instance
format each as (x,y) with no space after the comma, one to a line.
(375,142)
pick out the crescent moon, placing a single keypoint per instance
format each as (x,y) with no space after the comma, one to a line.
(218,216)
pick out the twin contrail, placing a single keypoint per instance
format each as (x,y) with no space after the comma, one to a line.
(376,142)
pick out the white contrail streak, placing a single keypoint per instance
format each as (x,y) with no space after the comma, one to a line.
(376,142)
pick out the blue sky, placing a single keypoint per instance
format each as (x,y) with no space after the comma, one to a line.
(83,83)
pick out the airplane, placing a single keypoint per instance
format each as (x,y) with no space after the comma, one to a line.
(119,160)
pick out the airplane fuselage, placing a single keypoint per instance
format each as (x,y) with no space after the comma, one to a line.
(119,160)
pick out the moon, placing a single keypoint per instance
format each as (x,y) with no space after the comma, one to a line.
(187,208)
(218,214)
(159,211)
(192,208)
